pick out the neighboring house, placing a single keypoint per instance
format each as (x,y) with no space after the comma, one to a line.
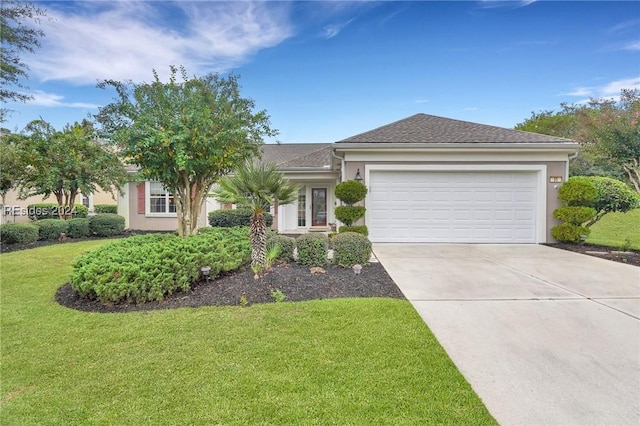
(430,179)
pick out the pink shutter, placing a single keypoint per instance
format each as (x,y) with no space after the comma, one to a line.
(141,196)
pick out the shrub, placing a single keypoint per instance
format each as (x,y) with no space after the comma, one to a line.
(350,248)
(78,228)
(360,229)
(106,208)
(41,211)
(235,217)
(569,233)
(574,215)
(312,249)
(351,191)
(149,267)
(106,225)
(50,229)
(349,214)
(287,245)
(18,233)
(612,195)
(577,191)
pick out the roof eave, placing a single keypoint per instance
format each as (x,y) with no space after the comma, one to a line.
(569,146)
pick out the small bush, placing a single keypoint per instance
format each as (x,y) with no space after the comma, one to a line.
(350,248)
(106,225)
(351,191)
(577,191)
(287,245)
(574,215)
(106,208)
(235,217)
(42,211)
(360,229)
(149,267)
(613,195)
(18,233)
(50,229)
(349,214)
(312,249)
(569,233)
(78,228)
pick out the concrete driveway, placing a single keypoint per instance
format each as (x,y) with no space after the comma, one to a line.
(544,336)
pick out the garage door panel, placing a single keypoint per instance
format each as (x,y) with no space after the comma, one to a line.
(430,206)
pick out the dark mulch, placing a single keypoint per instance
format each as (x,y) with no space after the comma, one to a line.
(295,281)
(609,253)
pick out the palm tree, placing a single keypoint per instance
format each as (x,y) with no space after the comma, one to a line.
(257,186)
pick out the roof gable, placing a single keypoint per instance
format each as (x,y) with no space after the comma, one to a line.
(298,155)
(424,128)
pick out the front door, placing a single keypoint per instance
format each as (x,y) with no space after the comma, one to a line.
(318,206)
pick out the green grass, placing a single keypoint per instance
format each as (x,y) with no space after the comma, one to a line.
(614,228)
(343,361)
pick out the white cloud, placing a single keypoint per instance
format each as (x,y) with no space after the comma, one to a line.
(422,101)
(635,45)
(125,40)
(514,4)
(45,99)
(471,109)
(332,30)
(609,90)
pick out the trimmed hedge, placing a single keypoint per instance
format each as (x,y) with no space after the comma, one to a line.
(50,229)
(42,211)
(360,229)
(235,217)
(350,191)
(569,233)
(106,208)
(106,225)
(350,248)
(78,228)
(149,267)
(577,191)
(312,249)
(574,215)
(287,245)
(349,214)
(18,233)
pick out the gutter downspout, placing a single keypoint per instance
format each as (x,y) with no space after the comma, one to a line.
(569,158)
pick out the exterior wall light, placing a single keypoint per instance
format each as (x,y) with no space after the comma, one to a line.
(358,178)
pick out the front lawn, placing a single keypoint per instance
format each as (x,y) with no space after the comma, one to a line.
(614,228)
(340,361)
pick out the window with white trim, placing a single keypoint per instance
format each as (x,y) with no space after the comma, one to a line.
(160,200)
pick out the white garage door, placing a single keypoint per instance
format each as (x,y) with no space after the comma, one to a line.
(452,207)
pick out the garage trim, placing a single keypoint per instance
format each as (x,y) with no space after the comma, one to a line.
(540,169)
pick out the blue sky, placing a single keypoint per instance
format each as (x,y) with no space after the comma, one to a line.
(329,70)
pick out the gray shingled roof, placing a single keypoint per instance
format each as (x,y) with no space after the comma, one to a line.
(424,128)
(297,155)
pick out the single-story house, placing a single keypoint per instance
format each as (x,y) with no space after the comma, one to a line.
(429,179)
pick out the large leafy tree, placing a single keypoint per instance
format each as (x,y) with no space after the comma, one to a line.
(17,38)
(257,186)
(185,133)
(66,163)
(607,129)
(11,167)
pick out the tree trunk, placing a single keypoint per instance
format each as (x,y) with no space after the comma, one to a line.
(258,234)
(189,200)
(633,172)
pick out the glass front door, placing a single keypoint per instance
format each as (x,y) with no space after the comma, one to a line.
(319,207)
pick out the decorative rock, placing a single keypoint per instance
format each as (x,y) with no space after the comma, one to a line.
(317,270)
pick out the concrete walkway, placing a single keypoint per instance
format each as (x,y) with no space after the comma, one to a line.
(544,336)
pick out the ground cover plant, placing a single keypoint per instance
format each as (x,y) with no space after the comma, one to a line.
(339,361)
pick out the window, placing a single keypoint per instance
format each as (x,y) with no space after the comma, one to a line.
(160,200)
(302,207)
(87,200)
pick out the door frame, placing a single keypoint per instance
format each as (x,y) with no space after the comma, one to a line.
(313,222)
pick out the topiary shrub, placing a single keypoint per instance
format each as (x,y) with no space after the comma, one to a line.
(106,208)
(612,195)
(78,228)
(350,248)
(360,229)
(287,245)
(149,267)
(42,211)
(312,249)
(50,229)
(574,215)
(577,191)
(18,233)
(106,225)
(351,191)
(569,233)
(235,217)
(349,214)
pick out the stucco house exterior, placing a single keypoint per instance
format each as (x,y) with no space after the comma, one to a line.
(430,179)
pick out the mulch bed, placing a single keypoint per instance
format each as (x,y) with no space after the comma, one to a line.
(629,257)
(295,281)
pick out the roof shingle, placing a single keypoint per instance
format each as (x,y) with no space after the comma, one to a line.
(298,155)
(424,128)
